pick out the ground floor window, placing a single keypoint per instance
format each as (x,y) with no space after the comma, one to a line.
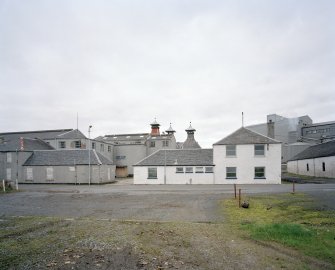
(180,170)
(231,172)
(323,166)
(208,169)
(50,173)
(260,172)
(189,169)
(9,174)
(152,173)
(29,175)
(307,167)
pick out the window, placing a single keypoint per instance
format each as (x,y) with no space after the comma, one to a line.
(77,144)
(152,144)
(231,172)
(9,174)
(199,169)
(29,174)
(260,172)
(259,150)
(50,173)
(93,145)
(208,169)
(307,167)
(61,144)
(323,166)
(109,149)
(165,143)
(152,173)
(180,170)
(102,148)
(230,150)
(189,170)
(9,157)
(120,157)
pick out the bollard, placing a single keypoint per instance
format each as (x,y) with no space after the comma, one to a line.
(3,186)
(17,185)
(293,188)
(235,190)
(239,198)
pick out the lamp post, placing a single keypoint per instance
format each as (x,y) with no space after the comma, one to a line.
(89,155)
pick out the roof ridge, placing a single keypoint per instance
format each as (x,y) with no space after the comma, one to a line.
(262,135)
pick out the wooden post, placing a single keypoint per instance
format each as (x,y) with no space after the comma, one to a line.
(293,188)
(239,197)
(235,190)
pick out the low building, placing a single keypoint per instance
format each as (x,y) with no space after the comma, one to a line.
(68,167)
(247,157)
(181,166)
(317,160)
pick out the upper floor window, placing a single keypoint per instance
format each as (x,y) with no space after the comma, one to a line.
(199,169)
(9,157)
(259,150)
(109,149)
(230,150)
(152,144)
(179,169)
(93,145)
(208,169)
(62,144)
(77,144)
(165,143)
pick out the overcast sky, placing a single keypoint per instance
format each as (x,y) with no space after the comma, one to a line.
(120,64)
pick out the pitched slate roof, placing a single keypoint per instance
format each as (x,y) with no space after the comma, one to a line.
(66,158)
(29,144)
(246,136)
(320,150)
(182,157)
(41,134)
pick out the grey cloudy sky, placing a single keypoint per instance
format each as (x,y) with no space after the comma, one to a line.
(120,64)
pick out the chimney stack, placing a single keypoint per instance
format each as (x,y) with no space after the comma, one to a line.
(155,128)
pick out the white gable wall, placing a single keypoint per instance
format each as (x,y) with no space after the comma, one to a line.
(245,163)
(315,167)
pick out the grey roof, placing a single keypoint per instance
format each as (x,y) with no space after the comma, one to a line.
(190,143)
(66,158)
(124,137)
(45,134)
(14,144)
(320,150)
(246,136)
(188,157)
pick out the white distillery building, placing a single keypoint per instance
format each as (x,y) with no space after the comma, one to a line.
(244,157)
(247,157)
(180,166)
(317,160)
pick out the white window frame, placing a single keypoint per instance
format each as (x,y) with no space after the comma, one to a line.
(230,150)
(50,173)
(77,144)
(9,174)
(29,174)
(152,144)
(259,177)
(259,152)
(9,157)
(188,169)
(199,169)
(165,143)
(152,173)
(231,172)
(209,169)
(62,144)
(179,169)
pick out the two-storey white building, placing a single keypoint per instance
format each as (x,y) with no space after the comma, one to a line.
(247,157)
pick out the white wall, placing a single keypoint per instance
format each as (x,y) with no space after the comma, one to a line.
(141,176)
(315,167)
(245,162)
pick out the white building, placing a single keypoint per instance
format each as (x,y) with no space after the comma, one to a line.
(317,160)
(181,166)
(246,157)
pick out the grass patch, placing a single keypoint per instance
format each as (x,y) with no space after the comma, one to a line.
(288,219)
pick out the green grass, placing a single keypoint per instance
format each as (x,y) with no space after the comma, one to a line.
(288,219)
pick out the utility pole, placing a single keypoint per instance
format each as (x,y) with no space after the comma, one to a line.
(89,155)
